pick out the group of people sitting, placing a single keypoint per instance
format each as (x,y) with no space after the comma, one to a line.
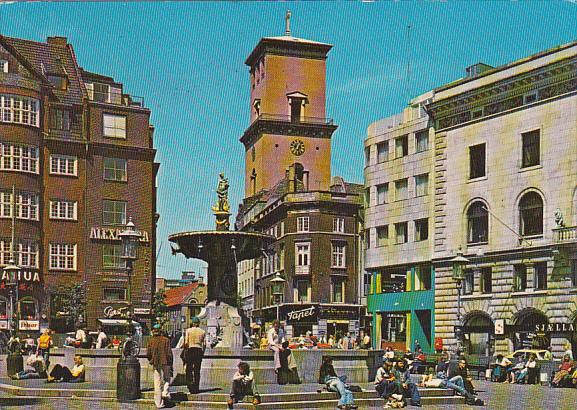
(394,383)
(520,372)
(37,369)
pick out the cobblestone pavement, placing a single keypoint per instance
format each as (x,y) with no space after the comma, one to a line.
(497,396)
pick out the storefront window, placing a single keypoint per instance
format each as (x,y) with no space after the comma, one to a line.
(394,328)
(3,309)
(531,330)
(28,309)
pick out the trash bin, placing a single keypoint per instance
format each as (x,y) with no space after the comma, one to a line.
(128,379)
(14,363)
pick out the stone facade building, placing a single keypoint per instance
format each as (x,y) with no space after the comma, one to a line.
(79,153)
(503,166)
(290,194)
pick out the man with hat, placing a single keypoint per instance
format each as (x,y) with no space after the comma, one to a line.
(159,355)
(194,346)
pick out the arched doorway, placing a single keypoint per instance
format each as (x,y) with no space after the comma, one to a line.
(479,333)
(531,330)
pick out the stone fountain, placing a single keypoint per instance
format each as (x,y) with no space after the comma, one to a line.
(221,249)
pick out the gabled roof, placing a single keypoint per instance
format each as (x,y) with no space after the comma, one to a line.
(180,295)
(51,59)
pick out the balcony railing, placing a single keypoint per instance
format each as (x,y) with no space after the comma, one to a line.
(116,97)
(302,270)
(294,119)
(566,234)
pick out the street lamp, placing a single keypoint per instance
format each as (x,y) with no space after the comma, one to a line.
(277,285)
(128,367)
(459,262)
(130,238)
(14,361)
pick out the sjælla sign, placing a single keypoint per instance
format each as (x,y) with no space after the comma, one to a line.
(308,314)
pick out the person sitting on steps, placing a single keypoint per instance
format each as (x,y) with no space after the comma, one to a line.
(64,374)
(243,384)
(336,384)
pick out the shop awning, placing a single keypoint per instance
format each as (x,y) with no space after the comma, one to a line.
(115,321)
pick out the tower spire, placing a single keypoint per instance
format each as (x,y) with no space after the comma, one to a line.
(288,23)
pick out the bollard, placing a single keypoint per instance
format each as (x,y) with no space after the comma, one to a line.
(128,379)
(14,363)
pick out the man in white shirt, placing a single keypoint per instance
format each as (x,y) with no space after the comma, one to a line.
(101,339)
(275,337)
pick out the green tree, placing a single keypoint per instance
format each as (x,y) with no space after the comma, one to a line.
(159,308)
(70,302)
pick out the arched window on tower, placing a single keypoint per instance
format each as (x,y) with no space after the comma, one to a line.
(531,214)
(297,102)
(477,223)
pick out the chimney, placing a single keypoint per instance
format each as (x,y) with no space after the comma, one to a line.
(57,41)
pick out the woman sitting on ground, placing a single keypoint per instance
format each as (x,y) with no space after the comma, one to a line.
(566,368)
(336,384)
(64,374)
(36,369)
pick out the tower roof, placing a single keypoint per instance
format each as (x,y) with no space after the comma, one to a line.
(288,46)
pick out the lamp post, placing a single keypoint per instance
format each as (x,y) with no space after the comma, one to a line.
(128,367)
(459,262)
(277,284)
(14,361)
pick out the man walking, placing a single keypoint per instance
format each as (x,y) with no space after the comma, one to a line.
(194,345)
(159,355)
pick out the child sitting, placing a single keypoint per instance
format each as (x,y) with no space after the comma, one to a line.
(243,385)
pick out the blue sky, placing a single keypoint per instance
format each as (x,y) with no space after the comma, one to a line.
(186,60)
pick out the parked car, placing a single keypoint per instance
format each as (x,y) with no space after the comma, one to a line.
(540,353)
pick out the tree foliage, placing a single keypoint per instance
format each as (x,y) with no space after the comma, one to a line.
(70,303)
(159,308)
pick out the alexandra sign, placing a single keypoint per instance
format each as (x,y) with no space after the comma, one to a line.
(555,327)
(22,276)
(111,234)
(302,315)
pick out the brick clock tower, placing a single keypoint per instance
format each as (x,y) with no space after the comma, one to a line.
(289,132)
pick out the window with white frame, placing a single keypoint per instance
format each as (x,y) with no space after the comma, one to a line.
(382,193)
(15,157)
(59,119)
(422,185)
(62,256)
(115,169)
(302,291)
(26,205)
(111,256)
(19,110)
(114,126)
(66,210)
(3,66)
(339,225)
(303,224)
(303,257)
(63,165)
(401,189)
(113,212)
(25,253)
(338,255)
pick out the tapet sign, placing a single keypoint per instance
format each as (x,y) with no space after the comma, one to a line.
(111,234)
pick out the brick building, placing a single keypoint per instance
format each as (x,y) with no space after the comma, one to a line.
(289,194)
(79,152)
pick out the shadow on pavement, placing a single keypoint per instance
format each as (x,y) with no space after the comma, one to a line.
(18,401)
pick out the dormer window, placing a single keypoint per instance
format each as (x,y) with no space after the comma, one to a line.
(297,102)
(60,82)
(3,66)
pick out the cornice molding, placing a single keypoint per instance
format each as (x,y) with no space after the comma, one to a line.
(303,129)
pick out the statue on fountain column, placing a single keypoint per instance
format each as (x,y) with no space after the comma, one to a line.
(222,192)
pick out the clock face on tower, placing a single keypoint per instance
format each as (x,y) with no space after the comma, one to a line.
(297,147)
